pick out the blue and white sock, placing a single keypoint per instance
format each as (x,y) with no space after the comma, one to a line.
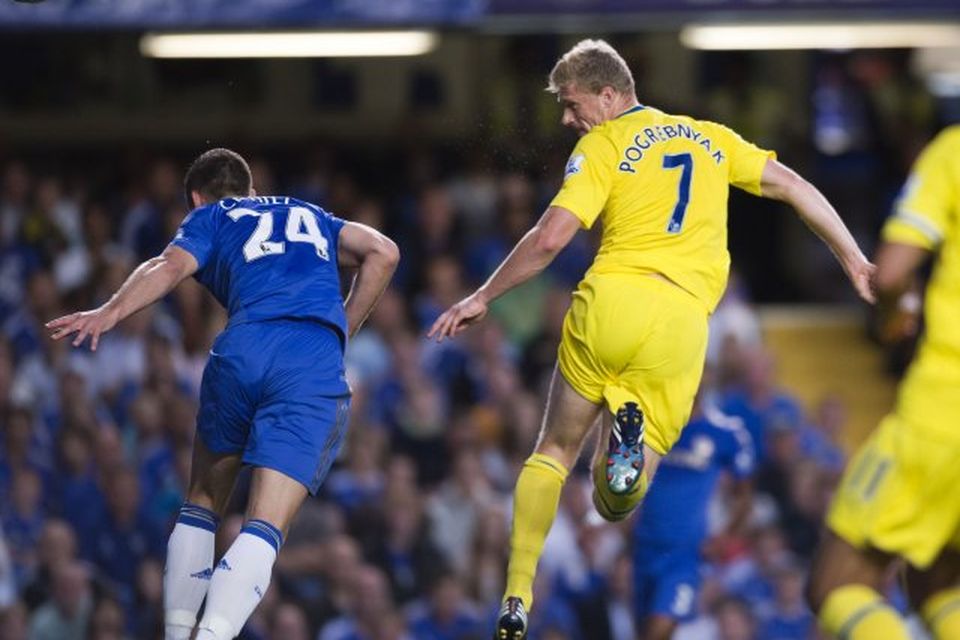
(240,580)
(189,569)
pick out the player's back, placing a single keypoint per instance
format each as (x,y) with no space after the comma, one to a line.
(666,180)
(268,257)
(928,215)
(674,512)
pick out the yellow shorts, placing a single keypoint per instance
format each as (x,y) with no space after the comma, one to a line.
(899,493)
(636,338)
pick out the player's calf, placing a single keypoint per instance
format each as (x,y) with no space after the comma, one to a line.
(843,592)
(188,570)
(241,578)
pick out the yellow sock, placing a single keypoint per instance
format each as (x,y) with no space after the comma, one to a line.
(535,503)
(611,506)
(857,612)
(941,612)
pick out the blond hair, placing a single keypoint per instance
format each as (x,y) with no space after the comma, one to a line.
(591,65)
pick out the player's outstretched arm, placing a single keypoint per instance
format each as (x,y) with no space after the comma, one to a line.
(148,283)
(533,253)
(781,183)
(376,257)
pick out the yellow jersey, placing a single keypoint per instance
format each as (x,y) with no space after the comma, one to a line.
(659,183)
(927,215)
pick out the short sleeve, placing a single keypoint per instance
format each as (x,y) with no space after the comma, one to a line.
(332,224)
(746,160)
(921,213)
(196,233)
(588,178)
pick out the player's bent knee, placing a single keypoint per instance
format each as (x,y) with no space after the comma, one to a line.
(820,584)
(818,589)
(199,497)
(616,507)
(274,497)
(565,450)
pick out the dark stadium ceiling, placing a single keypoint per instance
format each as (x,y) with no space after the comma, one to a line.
(486,15)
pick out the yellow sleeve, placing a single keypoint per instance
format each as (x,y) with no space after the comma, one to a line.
(745,160)
(588,178)
(921,213)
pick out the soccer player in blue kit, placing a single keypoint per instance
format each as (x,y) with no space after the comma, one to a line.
(671,529)
(273,395)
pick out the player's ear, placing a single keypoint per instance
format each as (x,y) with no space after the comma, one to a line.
(608,95)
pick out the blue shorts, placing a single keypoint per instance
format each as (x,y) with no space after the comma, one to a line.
(666,583)
(276,392)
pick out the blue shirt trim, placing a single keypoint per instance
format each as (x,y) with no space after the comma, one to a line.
(639,107)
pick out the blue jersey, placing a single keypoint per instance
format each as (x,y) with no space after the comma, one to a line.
(674,513)
(268,258)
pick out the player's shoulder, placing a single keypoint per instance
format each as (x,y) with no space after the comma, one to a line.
(950,135)
(717,130)
(946,144)
(202,214)
(602,137)
(263,203)
(312,206)
(628,122)
(677,118)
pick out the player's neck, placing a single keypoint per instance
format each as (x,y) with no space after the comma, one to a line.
(202,202)
(621,106)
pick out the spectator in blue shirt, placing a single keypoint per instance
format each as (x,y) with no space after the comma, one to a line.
(78,498)
(23,519)
(789,618)
(126,536)
(446,614)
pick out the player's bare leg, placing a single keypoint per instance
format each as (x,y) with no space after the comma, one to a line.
(567,422)
(243,574)
(274,498)
(617,505)
(935,593)
(212,478)
(190,549)
(568,419)
(659,627)
(844,592)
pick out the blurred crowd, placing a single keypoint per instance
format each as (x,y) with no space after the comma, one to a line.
(408,537)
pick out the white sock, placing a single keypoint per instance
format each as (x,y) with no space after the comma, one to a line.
(240,580)
(188,571)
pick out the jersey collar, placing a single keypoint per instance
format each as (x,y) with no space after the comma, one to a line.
(639,107)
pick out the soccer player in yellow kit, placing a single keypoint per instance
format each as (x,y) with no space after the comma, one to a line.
(636,332)
(899,496)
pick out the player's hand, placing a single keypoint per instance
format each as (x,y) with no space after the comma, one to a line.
(468,311)
(900,322)
(84,323)
(860,272)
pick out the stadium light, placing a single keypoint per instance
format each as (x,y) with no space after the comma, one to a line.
(298,44)
(833,35)
(940,68)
